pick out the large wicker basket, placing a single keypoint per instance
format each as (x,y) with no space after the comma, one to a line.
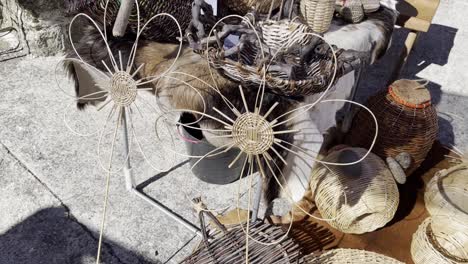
(318,14)
(358,198)
(278,35)
(447,193)
(350,256)
(407,123)
(228,246)
(440,240)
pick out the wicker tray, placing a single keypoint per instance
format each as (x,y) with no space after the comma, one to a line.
(350,256)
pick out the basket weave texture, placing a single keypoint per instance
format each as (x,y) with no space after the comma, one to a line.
(350,256)
(447,194)
(407,123)
(244,6)
(318,13)
(441,240)
(230,247)
(370,5)
(356,199)
(351,10)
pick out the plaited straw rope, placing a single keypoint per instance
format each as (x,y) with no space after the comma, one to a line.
(318,14)
(351,10)
(447,193)
(440,240)
(350,256)
(358,198)
(407,120)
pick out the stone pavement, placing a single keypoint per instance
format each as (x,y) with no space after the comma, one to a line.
(51,186)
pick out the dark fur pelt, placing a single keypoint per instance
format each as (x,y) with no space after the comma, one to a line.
(92,49)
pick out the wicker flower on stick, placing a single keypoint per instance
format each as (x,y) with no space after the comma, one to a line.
(114,86)
(252,121)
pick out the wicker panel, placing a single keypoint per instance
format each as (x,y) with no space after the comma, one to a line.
(358,198)
(350,256)
(318,13)
(407,123)
(447,193)
(230,247)
(441,240)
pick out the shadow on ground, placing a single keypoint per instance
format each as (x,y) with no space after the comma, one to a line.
(51,236)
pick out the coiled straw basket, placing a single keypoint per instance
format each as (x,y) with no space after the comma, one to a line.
(440,240)
(407,123)
(228,246)
(350,256)
(358,198)
(447,193)
(318,13)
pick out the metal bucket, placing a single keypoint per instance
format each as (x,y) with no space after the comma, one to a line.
(215,169)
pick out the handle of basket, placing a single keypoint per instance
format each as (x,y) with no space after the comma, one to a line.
(203,225)
(121,22)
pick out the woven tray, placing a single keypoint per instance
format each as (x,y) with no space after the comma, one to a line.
(356,199)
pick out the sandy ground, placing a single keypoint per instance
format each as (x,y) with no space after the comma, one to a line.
(51,185)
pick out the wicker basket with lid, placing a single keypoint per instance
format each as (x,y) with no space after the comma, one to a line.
(407,123)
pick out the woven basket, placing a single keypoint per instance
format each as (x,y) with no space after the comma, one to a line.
(351,10)
(358,198)
(407,123)
(370,5)
(244,6)
(229,246)
(447,193)
(350,256)
(318,13)
(440,240)
(277,35)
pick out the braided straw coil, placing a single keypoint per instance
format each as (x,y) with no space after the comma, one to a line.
(407,123)
(440,240)
(351,10)
(447,193)
(350,256)
(356,199)
(318,13)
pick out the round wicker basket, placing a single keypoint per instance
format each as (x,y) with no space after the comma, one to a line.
(447,193)
(358,198)
(441,240)
(318,13)
(350,256)
(407,123)
(351,10)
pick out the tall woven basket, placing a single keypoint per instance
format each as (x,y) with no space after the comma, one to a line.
(440,240)
(350,256)
(358,198)
(229,246)
(447,193)
(407,123)
(318,13)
